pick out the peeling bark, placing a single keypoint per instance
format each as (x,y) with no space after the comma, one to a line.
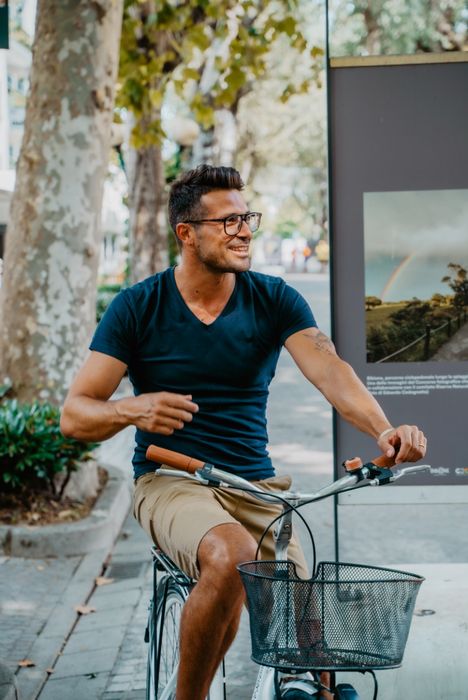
(53,238)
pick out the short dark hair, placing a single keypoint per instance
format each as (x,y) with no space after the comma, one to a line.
(186,192)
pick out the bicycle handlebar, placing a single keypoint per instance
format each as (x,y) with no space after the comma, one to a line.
(357,475)
(177,460)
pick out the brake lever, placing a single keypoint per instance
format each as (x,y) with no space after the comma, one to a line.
(411,470)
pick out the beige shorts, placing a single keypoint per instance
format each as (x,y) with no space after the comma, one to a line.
(177,513)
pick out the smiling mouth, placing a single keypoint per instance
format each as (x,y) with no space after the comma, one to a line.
(240,249)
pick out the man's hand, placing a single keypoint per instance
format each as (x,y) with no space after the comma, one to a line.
(407,442)
(159,412)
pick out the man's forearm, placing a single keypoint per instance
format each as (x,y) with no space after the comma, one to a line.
(345,391)
(85,418)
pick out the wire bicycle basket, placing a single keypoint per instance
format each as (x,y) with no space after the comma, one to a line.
(347,617)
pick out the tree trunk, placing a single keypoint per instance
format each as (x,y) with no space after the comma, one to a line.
(53,238)
(218,145)
(225,137)
(148,220)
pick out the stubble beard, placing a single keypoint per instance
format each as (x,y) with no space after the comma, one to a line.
(214,264)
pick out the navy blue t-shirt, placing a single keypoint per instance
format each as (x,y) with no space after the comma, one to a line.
(226,366)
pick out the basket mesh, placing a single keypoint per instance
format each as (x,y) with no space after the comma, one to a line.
(348,617)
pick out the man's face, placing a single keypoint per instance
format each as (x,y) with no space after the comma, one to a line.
(219,251)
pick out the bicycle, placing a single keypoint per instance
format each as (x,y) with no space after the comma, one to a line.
(346,617)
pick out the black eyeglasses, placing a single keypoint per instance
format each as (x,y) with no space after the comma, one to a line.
(233,222)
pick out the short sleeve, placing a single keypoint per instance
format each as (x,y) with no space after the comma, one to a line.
(116,332)
(294,313)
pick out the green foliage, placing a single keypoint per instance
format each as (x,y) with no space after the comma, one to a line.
(406,325)
(286,229)
(372,302)
(105,294)
(458,282)
(186,44)
(32,448)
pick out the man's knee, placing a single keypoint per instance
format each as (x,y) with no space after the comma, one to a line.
(223,548)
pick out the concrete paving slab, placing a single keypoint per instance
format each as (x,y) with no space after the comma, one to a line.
(99,639)
(8,687)
(43,653)
(51,636)
(77,593)
(104,599)
(83,663)
(75,687)
(105,619)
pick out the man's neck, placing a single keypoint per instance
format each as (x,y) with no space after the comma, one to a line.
(206,288)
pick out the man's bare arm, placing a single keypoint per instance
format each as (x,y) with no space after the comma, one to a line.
(88,414)
(316,357)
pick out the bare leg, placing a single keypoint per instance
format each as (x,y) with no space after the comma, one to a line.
(210,617)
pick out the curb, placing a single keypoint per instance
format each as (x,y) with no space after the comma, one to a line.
(95,532)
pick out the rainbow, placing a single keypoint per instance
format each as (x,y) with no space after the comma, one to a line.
(396,272)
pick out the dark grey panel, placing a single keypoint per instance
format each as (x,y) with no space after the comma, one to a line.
(393,129)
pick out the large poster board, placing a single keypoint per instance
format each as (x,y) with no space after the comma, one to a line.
(399,232)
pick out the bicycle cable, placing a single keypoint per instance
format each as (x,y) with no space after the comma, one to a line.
(296,511)
(288,510)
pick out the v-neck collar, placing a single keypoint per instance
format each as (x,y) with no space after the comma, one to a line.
(225,310)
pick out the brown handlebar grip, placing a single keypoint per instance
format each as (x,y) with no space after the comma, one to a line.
(352,464)
(384,461)
(173,459)
(381,461)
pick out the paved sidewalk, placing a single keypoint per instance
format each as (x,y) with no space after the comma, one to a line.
(105,657)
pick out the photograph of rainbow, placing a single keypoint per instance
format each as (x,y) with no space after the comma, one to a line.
(416,275)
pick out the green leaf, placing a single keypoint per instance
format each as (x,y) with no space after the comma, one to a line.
(190,74)
(156,98)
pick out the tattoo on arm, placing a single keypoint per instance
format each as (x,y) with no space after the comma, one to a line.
(321,342)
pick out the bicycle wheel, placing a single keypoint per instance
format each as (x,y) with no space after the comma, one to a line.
(168,618)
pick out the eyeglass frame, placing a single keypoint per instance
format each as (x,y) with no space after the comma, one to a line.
(242,219)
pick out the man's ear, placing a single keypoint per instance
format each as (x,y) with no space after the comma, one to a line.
(184,233)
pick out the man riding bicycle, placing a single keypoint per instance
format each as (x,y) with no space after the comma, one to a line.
(200,342)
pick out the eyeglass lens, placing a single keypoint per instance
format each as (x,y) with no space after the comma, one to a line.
(233,224)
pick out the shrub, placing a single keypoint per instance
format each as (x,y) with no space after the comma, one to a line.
(105,294)
(33,450)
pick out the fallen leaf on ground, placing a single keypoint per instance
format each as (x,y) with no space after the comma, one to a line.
(65,513)
(26,663)
(103,581)
(84,609)
(40,567)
